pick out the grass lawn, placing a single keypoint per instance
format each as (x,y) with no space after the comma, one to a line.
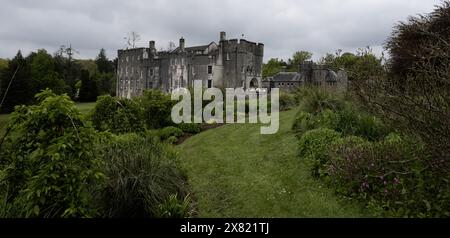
(237,172)
(84,108)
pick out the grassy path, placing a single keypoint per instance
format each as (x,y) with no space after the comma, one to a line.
(237,172)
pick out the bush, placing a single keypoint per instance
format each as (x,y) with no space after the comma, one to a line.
(191,128)
(170,131)
(390,176)
(348,121)
(315,100)
(306,121)
(48,167)
(117,115)
(142,176)
(313,145)
(287,101)
(157,108)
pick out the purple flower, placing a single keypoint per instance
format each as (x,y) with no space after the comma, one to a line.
(396,181)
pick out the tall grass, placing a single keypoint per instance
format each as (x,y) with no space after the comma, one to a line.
(142,174)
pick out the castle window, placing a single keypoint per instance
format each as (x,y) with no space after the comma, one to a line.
(209,83)
(209,69)
(228,56)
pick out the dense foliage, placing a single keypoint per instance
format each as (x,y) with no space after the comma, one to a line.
(362,158)
(157,107)
(55,164)
(47,162)
(61,73)
(117,115)
(414,91)
(144,180)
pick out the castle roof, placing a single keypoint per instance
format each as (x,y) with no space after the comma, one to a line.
(287,76)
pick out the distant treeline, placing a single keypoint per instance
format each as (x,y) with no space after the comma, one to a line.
(82,80)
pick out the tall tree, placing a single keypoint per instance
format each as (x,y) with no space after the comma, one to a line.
(298,58)
(88,89)
(43,73)
(16,88)
(104,65)
(272,67)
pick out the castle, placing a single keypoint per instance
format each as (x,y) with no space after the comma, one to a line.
(309,73)
(228,64)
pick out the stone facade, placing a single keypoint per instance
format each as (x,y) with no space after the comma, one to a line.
(228,64)
(309,73)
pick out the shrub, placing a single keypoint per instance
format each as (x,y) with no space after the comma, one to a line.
(117,115)
(170,131)
(315,100)
(391,176)
(157,108)
(48,166)
(191,128)
(142,174)
(350,121)
(313,145)
(287,101)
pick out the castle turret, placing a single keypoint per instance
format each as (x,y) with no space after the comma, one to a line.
(181,44)
(223,36)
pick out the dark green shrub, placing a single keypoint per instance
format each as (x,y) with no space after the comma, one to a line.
(47,162)
(170,131)
(348,121)
(313,145)
(306,121)
(157,108)
(351,121)
(287,101)
(117,115)
(142,174)
(391,177)
(191,128)
(315,100)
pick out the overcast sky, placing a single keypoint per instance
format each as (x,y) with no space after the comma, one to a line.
(284,26)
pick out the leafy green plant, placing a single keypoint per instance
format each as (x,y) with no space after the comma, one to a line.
(170,131)
(391,176)
(315,100)
(313,145)
(287,101)
(48,167)
(157,108)
(173,207)
(191,128)
(117,115)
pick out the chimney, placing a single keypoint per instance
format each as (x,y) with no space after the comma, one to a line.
(181,44)
(151,44)
(223,36)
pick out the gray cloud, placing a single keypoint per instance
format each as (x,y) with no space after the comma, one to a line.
(284,26)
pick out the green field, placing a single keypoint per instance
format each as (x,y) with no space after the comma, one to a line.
(237,172)
(83,107)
